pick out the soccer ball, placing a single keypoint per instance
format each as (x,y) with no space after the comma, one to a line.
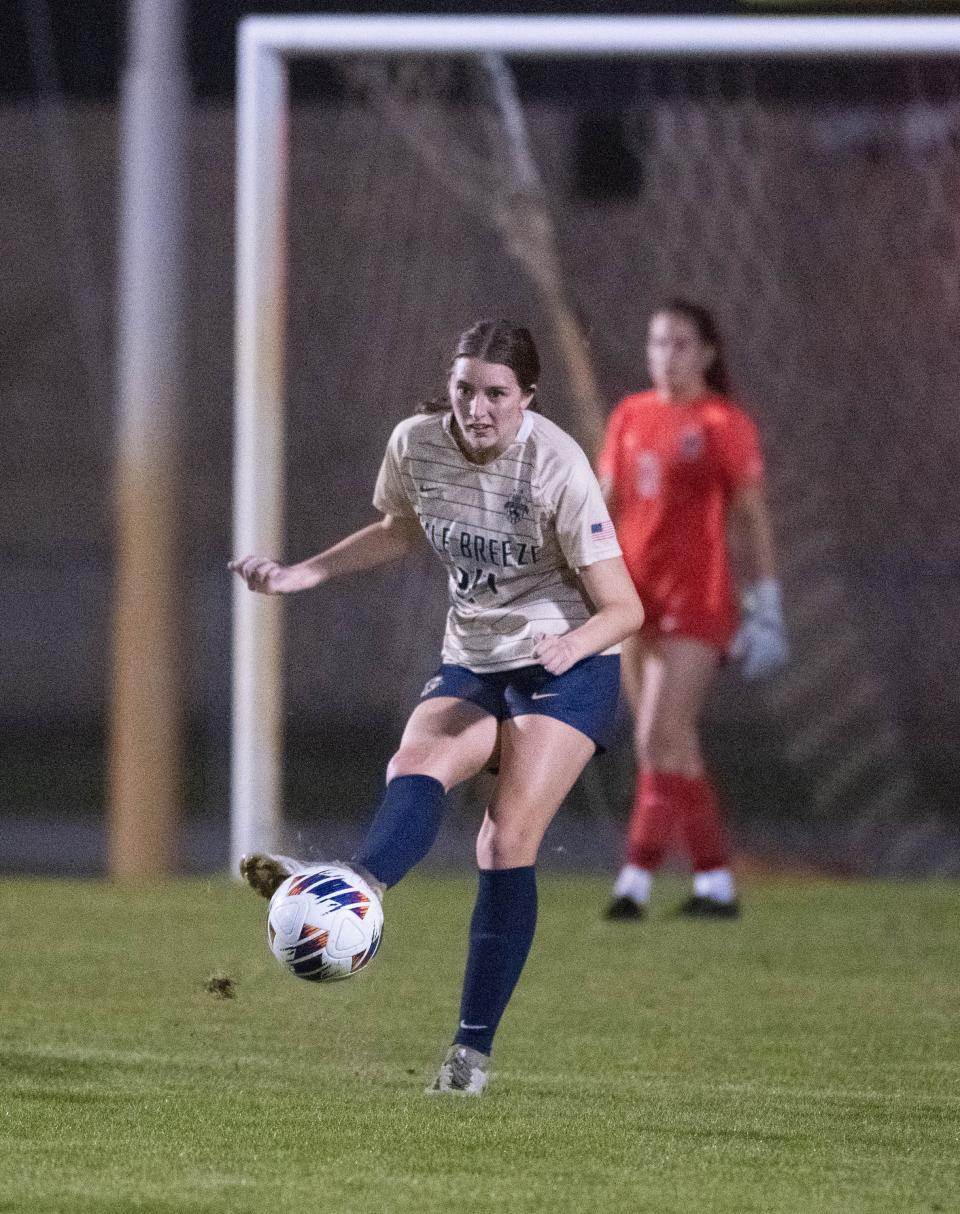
(324,924)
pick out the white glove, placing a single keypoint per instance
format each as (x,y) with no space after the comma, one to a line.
(761,643)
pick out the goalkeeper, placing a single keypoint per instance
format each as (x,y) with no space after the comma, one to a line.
(682,473)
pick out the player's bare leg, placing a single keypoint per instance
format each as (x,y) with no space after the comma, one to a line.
(446,741)
(641,680)
(672,741)
(674,790)
(447,738)
(678,778)
(540,761)
(673,749)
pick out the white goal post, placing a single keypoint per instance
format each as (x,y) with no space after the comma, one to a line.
(266,45)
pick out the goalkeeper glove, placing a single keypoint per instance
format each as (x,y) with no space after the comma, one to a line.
(760,644)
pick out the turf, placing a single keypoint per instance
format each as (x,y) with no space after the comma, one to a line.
(804,1059)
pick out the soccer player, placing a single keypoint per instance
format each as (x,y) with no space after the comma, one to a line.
(540,600)
(682,472)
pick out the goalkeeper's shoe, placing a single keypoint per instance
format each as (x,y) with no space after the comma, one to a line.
(265,873)
(464,1072)
(622,908)
(701,907)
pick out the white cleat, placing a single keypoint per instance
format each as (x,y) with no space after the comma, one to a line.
(265,873)
(464,1072)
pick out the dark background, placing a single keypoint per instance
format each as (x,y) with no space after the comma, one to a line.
(88,35)
(816,210)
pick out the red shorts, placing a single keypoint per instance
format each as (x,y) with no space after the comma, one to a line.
(677,615)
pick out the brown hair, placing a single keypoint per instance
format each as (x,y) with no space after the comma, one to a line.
(495,341)
(717,375)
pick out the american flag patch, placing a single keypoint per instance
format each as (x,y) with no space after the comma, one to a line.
(602,531)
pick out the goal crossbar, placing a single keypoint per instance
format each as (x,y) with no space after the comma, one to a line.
(552,37)
(265,46)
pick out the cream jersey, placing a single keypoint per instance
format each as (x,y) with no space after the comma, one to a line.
(511,533)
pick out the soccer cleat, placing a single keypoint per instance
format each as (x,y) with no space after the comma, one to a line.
(464,1072)
(624,908)
(265,873)
(700,907)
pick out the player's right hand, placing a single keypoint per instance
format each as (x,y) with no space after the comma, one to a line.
(761,642)
(266,576)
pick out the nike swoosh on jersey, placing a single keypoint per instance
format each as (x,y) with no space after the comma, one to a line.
(429,489)
(544,695)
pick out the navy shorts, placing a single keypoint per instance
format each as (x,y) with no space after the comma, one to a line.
(585,696)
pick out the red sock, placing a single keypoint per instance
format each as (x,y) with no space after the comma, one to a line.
(656,810)
(703,827)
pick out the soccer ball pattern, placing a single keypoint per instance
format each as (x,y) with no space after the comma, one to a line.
(324,924)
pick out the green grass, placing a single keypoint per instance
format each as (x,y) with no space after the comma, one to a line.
(804,1059)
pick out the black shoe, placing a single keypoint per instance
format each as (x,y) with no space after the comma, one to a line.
(624,908)
(699,907)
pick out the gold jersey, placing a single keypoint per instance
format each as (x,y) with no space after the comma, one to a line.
(512,533)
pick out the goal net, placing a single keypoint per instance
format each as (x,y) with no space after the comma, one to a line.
(809,200)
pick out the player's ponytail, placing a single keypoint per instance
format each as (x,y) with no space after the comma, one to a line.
(495,341)
(717,375)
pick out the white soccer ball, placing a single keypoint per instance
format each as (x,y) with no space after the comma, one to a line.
(324,924)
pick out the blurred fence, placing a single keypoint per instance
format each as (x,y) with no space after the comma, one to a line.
(816,213)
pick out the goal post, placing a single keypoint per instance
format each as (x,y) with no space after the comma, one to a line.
(266,46)
(256,754)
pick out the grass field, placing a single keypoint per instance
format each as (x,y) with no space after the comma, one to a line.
(804,1059)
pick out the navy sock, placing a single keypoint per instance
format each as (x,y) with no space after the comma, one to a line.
(403,828)
(501,932)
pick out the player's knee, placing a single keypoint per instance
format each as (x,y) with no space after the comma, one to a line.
(672,745)
(417,761)
(502,845)
(399,765)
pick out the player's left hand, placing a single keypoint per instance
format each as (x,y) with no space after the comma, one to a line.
(761,642)
(556,654)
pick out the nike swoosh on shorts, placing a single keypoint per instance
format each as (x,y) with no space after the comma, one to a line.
(544,695)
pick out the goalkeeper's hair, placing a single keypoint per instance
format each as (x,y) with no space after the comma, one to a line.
(495,341)
(717,375)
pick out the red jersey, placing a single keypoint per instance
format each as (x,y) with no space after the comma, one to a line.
(672,470)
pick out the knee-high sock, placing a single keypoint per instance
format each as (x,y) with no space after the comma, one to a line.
(403,828)
(703,828)
(501,932)
(656,811)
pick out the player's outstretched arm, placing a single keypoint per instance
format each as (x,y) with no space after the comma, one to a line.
(378,544)
(618,614)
